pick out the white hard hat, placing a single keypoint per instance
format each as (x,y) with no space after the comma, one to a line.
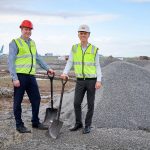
(83,28)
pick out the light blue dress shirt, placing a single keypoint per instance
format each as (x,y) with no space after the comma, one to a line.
(13,51)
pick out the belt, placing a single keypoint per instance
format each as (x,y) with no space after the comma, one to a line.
(82,79)
(25,74)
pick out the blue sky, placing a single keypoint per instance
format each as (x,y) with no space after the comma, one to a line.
(118,27)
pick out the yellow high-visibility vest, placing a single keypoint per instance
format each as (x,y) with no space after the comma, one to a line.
(84,62)
(26,57)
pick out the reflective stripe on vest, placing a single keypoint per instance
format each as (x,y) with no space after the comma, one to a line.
(84,62)
(26,57)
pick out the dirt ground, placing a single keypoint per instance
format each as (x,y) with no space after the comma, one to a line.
(44,88)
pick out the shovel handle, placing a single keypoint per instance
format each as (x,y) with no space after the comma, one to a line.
(64,81)
(51,77)
(61,97)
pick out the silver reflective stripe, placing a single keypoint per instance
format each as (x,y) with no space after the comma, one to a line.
(77,63)
(92,51)
(75,48)
(90,75)
(89,64)
(26,56)
(25,66)
(87,75)
(85,63)
(79,75)
(20,42)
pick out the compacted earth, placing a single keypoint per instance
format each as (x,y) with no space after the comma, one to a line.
(121,118)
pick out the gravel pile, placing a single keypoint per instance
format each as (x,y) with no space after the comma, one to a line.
(107,61)
(126,97)
(121,109)
(147,67)
(98,139)
(141,63)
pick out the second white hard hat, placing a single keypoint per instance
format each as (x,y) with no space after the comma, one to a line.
(84,28)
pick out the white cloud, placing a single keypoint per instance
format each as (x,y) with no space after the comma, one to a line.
(120,47)
(47,40)
(56,32)
(61,45)
(140,1)
(58,20)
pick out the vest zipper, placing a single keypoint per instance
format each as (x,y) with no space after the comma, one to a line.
(31,59)
(83,60)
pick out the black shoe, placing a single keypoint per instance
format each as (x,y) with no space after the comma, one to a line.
(23,129)
(39,126)
(87,129)
(76,127)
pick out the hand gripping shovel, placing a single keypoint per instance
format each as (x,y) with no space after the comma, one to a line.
(51,113)
(56,125)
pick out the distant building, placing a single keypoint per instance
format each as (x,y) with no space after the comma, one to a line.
(144,58)
(111,57)
(49,54)
(121,58)
(101,55)
(66,57)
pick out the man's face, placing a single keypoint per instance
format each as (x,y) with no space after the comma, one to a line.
(83,36)
(26,32)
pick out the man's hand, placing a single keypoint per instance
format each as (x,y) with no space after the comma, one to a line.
(64,76)
(51,71)
(98,85)
(16,83)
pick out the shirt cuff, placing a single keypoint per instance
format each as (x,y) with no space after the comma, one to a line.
(99,79)
(14,78)
(47,68)
(64,72)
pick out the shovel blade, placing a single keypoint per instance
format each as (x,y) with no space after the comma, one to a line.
(54,128)
(50,115)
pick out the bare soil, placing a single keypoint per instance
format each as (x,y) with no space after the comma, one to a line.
(44,88)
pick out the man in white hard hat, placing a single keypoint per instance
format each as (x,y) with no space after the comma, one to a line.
(85,59)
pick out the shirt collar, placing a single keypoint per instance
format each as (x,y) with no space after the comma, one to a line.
(25,40)
(86,45)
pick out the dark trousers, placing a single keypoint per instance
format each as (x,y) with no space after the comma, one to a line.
(83,86)
(27,83)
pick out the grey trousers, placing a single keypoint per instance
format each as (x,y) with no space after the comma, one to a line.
(82,86)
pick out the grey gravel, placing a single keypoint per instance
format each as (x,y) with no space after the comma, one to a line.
(126,97)
(147,67)
(141,63)
(119,122)
(5,92)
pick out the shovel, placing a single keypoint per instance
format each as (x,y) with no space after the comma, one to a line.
(51,113)
(56,125)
